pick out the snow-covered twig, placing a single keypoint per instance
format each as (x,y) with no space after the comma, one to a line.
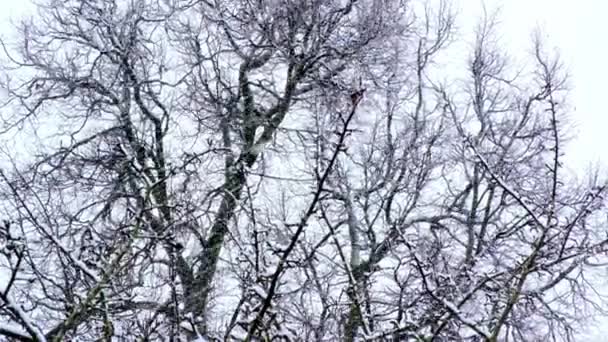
(456,312)
(506,187)
(27,324)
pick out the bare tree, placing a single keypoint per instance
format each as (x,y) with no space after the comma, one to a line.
(285,170)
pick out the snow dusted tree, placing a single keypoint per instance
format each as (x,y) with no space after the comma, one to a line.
(286,170)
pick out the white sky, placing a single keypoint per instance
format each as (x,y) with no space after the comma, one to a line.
(577,28)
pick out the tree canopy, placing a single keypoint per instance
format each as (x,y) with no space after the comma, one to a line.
(287,170)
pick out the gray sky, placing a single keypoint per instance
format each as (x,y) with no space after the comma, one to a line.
(577,28)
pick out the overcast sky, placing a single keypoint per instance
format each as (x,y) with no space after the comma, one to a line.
(577,28)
